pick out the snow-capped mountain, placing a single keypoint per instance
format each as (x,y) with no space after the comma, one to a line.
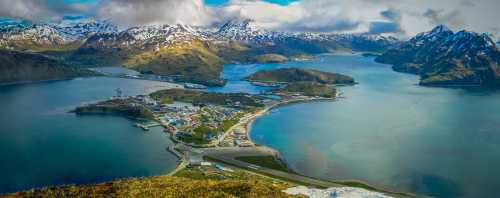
(246,31)
(194,54)
(105,34)
(444,57)
(145,37)
(86,28)
(51,34)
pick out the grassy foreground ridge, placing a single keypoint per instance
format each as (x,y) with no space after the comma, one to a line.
(165,186)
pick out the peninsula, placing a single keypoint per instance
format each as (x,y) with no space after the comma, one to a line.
(211,138)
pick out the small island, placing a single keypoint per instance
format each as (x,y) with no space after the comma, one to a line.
(291,75)
(307,82)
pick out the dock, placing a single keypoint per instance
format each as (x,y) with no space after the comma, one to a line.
(146,127)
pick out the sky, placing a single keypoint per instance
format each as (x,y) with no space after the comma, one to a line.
(401,18)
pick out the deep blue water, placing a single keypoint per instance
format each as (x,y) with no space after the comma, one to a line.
(388,131)
(41,144)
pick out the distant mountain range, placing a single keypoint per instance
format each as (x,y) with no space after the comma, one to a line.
(442,58)
(196,54)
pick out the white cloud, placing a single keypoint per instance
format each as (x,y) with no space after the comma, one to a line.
(400,17)
(363,15)
(135,12)
(26,9)
(264,14)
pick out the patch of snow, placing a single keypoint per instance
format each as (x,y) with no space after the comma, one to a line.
(336,192)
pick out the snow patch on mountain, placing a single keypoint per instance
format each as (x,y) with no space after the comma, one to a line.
(54,33)
(247,31)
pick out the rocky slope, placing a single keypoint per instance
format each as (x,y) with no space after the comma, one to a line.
(442,57)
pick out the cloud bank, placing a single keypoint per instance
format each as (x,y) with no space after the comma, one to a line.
(396,17)
(27,9)
(136,12)
(41,10)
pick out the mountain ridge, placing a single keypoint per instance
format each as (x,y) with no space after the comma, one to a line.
(196,53)
(444,58)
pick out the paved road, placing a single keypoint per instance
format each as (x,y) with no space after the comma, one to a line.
(276,173)
(233,152)
(228,156)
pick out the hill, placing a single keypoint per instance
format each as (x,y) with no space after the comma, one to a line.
(289,75)
(442,57)
(165,186)
(193,54)
(19,67)
(311,89)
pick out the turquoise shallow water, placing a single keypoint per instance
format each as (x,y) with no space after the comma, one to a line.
(41,144)
(388,131)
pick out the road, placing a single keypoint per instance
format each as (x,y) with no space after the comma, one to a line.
(227,156)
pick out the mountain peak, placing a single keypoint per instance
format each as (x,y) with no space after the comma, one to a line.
(442,57)
(239,24)
(440,29)
(437,33)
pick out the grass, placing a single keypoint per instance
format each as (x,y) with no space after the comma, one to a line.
(199,97)
(208,172)
(271,58)
(292,75)
(228,123)
(194,140)
(266,174)
(193,60)
(165,186)
(310,89)
(265,161)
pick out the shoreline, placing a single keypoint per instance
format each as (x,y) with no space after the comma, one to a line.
(249,123)
(248,128)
